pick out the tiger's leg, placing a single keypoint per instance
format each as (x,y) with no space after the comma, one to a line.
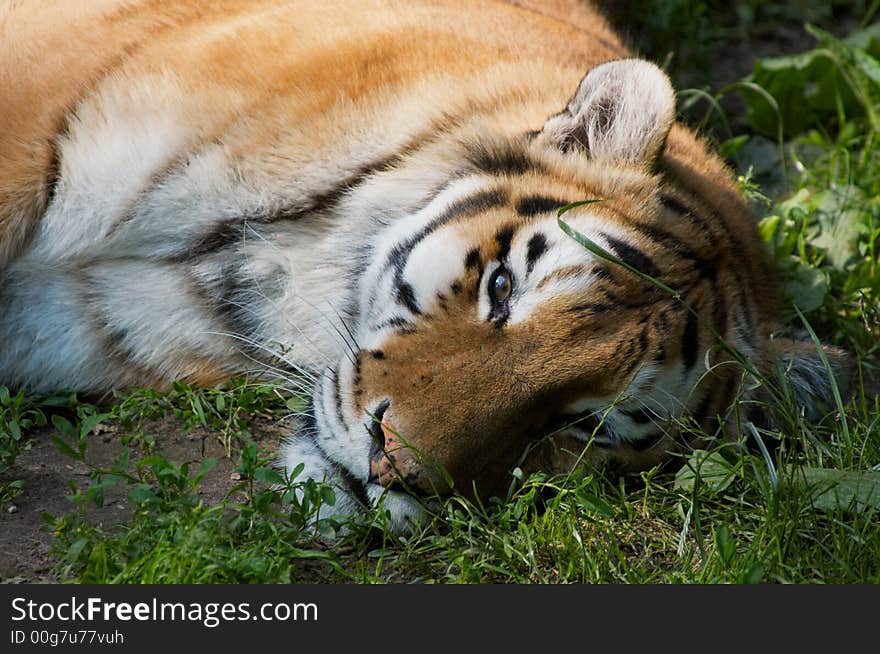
(111,323)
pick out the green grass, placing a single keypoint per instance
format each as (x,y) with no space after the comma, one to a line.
(725,517)
(256,534)
(17,416)
(803,508)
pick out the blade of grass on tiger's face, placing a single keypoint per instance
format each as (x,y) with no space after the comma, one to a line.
(601,252)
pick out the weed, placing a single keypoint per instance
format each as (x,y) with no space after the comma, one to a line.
(17,416)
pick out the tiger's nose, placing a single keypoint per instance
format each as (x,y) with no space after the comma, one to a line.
(392,462)
(391,466)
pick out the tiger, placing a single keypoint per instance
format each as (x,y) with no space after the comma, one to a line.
(383,206)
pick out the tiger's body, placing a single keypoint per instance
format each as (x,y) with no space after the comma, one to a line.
(196,190)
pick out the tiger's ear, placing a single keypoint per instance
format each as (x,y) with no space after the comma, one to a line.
(621,113)
(800,362)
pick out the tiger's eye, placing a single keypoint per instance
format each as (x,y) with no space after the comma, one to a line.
(501,286)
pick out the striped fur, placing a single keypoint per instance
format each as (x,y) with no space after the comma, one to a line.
(326,191)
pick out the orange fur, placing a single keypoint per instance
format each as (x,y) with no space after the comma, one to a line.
(56,53)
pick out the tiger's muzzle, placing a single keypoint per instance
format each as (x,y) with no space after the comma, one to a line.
(394,463)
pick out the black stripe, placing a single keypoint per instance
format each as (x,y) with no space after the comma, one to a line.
(534,205)
(111,338)
(626,352)
(472,259)
(692,216)
(469,206)
(616,300)
(719,313)
(703,411)
(646,442)
(706,269)
(501,158)
(233,301)
(465,207)
(660,324)
(229,305)
(690,341)
(667,240)
(674,205)
(53,177)
(357,368)
(219,237)
(731,235)
(537,246)
(355,485)
(635,349)
(746,308)
(337,399)
(640,416)
(407,297)
(53,170)
(307,423)
(396,321)
(633,256)
(570,141)
(503,237)
(325,200)
(602,273)
(330,197)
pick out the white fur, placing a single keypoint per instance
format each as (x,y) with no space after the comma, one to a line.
(434,264)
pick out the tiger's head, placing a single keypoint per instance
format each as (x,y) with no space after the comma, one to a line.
(487,337)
